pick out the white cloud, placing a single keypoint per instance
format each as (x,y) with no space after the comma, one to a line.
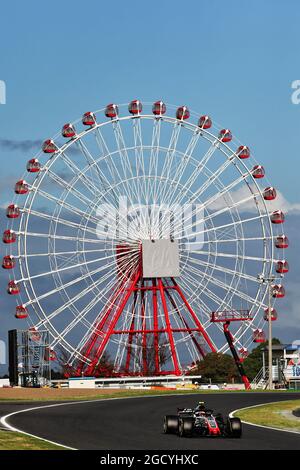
(243,194)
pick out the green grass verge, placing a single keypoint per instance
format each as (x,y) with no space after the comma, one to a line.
(16,441)
(273,415)
(132,393)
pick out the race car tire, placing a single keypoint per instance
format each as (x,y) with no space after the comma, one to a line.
(170,424)
(185,428)
(234,427)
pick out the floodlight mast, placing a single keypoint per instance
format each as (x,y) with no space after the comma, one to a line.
(269,281)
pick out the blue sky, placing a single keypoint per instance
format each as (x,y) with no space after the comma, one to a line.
(233,60)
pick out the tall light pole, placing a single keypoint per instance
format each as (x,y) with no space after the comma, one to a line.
(269,280)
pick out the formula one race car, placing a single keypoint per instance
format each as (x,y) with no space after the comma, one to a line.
(201,421)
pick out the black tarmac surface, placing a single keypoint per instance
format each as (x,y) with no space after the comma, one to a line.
(136,423)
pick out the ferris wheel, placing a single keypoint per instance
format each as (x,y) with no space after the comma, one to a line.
(128,235)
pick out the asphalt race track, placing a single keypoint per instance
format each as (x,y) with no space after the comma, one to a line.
(136,423)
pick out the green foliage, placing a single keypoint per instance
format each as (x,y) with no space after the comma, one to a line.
(253,363)
(217,367)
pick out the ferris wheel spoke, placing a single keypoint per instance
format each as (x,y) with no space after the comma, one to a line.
(124,157)
(224,210)
(231,255)
(79,296)
(197,171)
(207,292)
(82,314)
(51,316)
(48,273)
(65,222)
(168,160)
(154,157)
(215,176)
(69,186)
(231,240)
(92,188)
(93,166)
(180,171)
(116,177)
(232,224)
(222,268)
(139,159)
(65,205)
(71,300)
(234,291)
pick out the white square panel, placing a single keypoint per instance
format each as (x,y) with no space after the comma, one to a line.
(160,258)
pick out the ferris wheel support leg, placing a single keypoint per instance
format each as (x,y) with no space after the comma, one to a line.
(98,328)
(144,340)
(98,354)
(196,320)
(191,333)
(155,324)
(169,329)
(130,336)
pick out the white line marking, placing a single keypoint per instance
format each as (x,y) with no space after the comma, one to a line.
(6,425)
(261,425)
(4,422)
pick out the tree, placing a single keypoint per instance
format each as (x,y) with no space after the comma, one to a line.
(145,353)
(104,368)
(217,367)
(253,363)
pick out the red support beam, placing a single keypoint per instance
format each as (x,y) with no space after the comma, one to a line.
(155,325)
(169,330)
(196,320)
(190,330)
(98,354)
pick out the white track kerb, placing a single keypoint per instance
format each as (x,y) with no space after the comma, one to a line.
(260,425)
(5,424)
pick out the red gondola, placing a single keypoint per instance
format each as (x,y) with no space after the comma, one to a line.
(50,355)
(9,236)
(243,352)
(33,166)
(8,262)
(204,122)
(13,288)
(34,335)
(182,113)
(258,171)
(258,336)
(21,187)
(225,135)
(159,108)
(282,267)
(274,314)
(278,291)
(21,312)
(112,110)
(12,211)
(277,217)
(68,131)
(243,152)
(89,119)
(281,241)
(135,107)
(269,193)
(49,146)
